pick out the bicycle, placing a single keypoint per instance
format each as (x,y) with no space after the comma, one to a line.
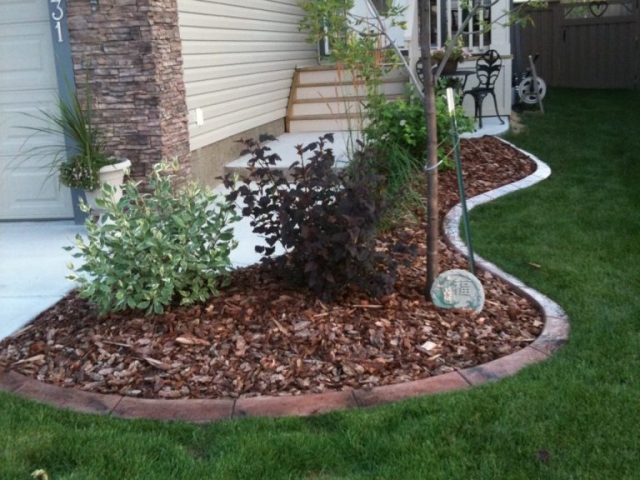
(526,89)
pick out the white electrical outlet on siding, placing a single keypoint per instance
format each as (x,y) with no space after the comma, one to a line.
(199,117)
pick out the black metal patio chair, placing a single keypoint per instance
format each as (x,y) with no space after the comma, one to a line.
(488,68)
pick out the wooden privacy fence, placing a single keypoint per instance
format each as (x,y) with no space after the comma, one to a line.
(585,45)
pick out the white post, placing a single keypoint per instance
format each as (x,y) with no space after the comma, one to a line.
(411,38)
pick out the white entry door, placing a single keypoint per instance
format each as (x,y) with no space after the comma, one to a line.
(28,84)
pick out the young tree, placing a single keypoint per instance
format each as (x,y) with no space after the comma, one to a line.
(353,37)
(429,103)
(513,16)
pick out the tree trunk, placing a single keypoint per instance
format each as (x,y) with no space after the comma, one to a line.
(429,104)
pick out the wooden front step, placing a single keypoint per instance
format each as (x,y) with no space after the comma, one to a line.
(326,123)
(331,106)
(322,91)
(333,75)
(326,99)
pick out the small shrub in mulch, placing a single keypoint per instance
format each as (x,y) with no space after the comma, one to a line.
(325,218)
(150,250)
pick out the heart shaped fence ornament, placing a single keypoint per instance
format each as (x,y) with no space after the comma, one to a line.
(598,8)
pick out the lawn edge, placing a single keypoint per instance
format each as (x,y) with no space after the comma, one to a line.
(554,335)
(556,322)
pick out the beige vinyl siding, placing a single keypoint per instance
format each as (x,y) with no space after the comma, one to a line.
(239,60)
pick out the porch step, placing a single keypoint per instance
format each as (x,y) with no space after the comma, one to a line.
(331,74)
(285,147)
(323,90)
(326,123)
(328,106)
(331,106)
(327,98)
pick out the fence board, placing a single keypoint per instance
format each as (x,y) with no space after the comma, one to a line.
(580,49)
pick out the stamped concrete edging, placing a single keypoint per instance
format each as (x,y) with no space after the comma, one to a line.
(554,335)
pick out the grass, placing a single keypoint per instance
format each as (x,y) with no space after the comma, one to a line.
(583,406)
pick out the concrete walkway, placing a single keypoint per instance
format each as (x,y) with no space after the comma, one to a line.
(32,269)
(33,264)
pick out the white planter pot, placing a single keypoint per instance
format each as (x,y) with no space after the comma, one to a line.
(114,176)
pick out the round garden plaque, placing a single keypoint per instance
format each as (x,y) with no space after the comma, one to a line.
(457,289)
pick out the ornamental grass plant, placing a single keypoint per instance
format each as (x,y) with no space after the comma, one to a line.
(76,161)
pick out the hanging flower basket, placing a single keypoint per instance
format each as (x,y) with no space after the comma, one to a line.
(450,67)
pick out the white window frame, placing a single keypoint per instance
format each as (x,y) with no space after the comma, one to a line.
(475,42)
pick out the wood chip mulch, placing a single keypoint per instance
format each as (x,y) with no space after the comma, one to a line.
(262,337)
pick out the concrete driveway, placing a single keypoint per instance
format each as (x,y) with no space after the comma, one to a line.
(33,266)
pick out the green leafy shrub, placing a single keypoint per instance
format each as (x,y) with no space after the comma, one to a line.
(156,249)
(355,38)
(324,218)
(400,125)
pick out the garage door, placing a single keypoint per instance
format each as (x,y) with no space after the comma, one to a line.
(27,84)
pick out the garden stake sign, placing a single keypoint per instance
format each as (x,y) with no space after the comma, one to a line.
(463,197)
(458,288)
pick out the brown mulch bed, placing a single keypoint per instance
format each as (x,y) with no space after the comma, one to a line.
(262,337)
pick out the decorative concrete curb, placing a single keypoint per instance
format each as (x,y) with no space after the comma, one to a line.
(554,335)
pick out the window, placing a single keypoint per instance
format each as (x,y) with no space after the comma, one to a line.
(446,17)
(381,5)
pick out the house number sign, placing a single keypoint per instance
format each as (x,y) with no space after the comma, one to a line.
(57,14)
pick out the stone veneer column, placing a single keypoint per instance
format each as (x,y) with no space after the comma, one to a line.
(131,54)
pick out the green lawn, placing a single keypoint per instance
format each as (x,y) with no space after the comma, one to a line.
(581,226)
